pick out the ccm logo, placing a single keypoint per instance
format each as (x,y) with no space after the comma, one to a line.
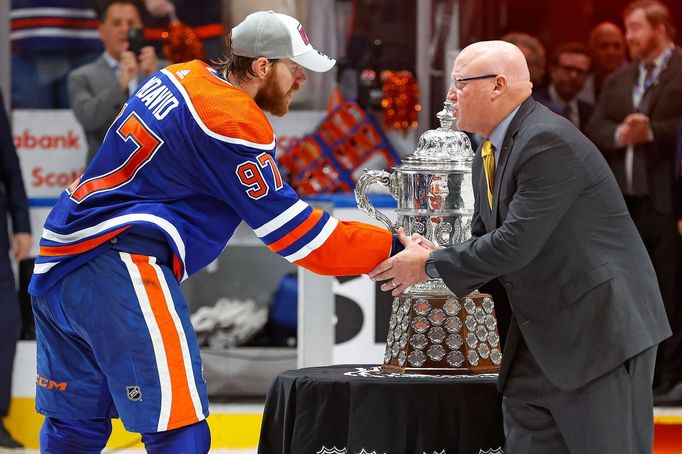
(50,384)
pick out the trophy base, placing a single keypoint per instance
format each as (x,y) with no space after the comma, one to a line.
(432,332)
(438,370)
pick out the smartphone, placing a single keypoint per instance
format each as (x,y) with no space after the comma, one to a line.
(136,40)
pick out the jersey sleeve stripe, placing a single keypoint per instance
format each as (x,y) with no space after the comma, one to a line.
(287,227)
(282,219)
(296,233)
(259,146)
(307,237)
(77,248)
(352,248)
(318,241)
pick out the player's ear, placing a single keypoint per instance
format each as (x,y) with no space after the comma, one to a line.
(260,67)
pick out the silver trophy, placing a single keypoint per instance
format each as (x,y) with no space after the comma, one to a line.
(431,330)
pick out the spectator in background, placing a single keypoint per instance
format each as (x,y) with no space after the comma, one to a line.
(48,40)
(99,89)
(206,23)
(607,47)
(535,55)
(635,125)
(13,203)
(568,68)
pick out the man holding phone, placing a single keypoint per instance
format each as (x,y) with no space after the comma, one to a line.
(98,90)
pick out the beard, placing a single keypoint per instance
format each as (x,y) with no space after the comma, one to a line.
(647,48)
(272,98)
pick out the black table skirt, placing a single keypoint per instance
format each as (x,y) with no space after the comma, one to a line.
(354,409)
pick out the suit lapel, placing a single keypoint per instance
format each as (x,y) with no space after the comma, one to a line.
(507,145)
(107,75)
(651,96)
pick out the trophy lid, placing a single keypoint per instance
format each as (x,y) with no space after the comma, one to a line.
(441,147)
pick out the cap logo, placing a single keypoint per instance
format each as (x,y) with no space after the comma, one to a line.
(304,37)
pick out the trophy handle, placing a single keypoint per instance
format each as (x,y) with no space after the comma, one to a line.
(370,177)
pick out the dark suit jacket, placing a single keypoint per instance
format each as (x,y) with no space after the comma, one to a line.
(585,109)
(580,283)
(662,104)
(96,99)
(12,193)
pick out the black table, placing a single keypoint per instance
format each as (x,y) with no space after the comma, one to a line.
(353,409)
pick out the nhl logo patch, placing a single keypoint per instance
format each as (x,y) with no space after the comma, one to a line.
(134,393)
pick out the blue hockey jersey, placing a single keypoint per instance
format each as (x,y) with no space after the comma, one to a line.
(189,157)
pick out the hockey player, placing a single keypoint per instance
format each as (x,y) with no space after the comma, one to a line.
(188,158)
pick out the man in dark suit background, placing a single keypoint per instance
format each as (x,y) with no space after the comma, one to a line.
(98,90)
(568,69)
(634,126)
(13,203)
(549,222)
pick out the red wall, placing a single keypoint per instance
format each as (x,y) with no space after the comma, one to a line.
(553,21)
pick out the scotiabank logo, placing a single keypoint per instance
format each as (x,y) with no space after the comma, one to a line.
(28,141)
(50,384)
(42,177)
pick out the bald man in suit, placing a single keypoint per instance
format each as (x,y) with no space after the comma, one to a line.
(550,223)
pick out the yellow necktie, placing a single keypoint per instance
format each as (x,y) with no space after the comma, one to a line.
(489,167)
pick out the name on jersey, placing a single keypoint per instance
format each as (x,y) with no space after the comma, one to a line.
(157,97)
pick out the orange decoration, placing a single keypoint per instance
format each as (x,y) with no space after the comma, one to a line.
(400,100)
(181,43)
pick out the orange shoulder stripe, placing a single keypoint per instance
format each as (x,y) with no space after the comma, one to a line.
(224,109)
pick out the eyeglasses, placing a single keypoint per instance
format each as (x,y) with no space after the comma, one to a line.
(580,72)
(461,82)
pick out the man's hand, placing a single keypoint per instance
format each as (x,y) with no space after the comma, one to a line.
(679,226)
(129,69)
(21,245)
(149,62)
(405,268)
(634,130)
(420,240)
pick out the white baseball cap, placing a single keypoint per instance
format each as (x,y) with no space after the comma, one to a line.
(274,35)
